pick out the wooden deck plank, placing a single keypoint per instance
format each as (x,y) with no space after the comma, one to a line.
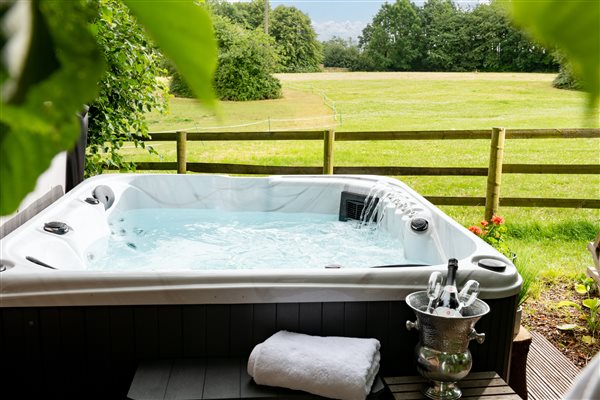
(222,379)
(482,375)
(542,376)
(399,380)
(186,381)
(150,380)
(406,387)
(494,397)
(473,383)
(537,388)
(486,391)
(478,385)
(408,396)
(553,356)
(549,373)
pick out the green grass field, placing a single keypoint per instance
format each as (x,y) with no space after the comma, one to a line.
(552,240)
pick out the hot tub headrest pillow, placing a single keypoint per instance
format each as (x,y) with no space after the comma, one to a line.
(335,367)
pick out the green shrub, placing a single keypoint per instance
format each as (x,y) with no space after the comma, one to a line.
(566,80)
(178,87)
(341,53)
(245,63)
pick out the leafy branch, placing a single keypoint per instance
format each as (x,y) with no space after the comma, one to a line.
(52,75)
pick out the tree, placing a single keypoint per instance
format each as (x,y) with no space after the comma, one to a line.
(391,41)
(245,63)
(249,15)
(128,89)
(341,53)
(296,40)
(497,45)
(486,32)
(442,37)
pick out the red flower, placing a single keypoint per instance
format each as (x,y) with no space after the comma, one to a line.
(484,223)
(497,220)
(476,230)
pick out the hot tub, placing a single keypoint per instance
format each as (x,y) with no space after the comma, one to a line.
(65,309)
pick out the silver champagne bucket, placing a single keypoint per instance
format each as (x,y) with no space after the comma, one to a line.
(443,355)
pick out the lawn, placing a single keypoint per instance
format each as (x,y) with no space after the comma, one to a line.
(394,101)
(552,240)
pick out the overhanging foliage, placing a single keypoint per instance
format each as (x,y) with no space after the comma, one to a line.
(62,66)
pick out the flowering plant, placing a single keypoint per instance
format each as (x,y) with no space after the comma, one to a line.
(492,232)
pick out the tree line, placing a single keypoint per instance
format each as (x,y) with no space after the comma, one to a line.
(440,36)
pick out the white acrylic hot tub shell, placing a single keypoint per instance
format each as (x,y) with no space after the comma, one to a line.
(27,284)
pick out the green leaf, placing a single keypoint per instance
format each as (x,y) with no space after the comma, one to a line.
(573,27)
(183,31)
(567,327)
(42,121)
(568,303)
(588,339)
(591,303)
(580,288)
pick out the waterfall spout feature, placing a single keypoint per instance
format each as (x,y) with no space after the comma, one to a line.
(384,198)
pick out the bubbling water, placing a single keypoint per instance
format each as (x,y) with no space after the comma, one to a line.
(206,239)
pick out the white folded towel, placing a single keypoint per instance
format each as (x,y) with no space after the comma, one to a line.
(336,367)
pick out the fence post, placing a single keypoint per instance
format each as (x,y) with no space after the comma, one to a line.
(329,138)
(181,152)
(492,195)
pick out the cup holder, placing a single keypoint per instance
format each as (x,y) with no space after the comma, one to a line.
(490,263)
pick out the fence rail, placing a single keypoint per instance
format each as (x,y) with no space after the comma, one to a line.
(494,171)
(249,169)
(383,135)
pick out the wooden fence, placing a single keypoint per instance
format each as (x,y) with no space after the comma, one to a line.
(494,171)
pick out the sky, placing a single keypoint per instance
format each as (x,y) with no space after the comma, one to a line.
(342,18)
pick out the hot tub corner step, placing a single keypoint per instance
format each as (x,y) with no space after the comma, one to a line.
(207,378)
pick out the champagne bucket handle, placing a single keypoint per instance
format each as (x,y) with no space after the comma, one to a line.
(412,325)
(479,337)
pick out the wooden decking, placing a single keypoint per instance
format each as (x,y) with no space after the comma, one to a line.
(549,376)
(477,385)
(549,373)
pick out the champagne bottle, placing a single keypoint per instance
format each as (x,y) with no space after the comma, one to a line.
(448,303)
